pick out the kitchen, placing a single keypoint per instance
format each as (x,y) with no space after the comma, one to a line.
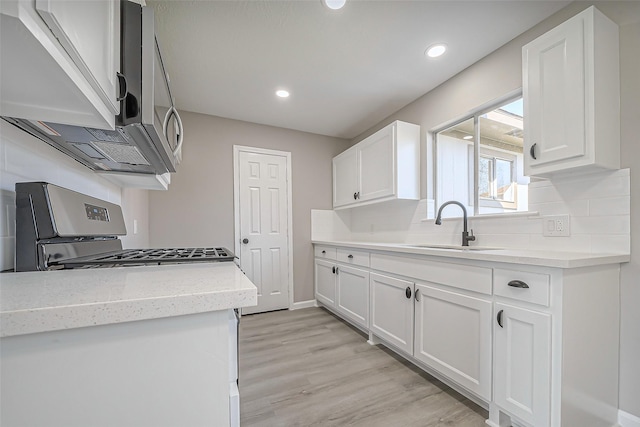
(210,152)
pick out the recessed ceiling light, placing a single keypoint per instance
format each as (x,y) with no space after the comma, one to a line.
(282,93)
(436,50)
(467,137)
(334,4)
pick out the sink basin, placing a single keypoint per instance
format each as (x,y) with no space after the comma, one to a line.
(454,247)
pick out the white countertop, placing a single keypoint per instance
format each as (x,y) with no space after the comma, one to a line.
(43,301)
(511,256)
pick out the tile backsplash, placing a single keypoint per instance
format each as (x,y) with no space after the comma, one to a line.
(598,205)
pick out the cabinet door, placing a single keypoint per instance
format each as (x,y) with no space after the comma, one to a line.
(345,178)
(325,279)
(353,294)
(453,336)
(522,366)
(392,310)
(554,95)
(377,164)
(89,32)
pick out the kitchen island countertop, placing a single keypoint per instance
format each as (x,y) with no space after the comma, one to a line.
(542,258)
(43,301)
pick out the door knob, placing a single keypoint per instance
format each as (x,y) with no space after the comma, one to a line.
(245,240)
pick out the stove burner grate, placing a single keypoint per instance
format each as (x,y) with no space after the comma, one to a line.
(151,257)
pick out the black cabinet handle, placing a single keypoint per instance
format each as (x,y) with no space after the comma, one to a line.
(245,240)
(355,196)
(407,292)
(350,256)
(517,284)
(532,151)
(415,294)
(324,252)
(333,270)
(123,89)
(499,318)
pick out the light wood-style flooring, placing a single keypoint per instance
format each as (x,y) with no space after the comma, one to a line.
(309,368)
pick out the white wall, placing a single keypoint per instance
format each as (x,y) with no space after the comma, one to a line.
(25,158)
(198,208)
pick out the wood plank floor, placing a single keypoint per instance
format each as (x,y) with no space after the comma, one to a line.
(308,368)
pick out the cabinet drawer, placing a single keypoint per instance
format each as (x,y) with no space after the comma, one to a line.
(325,252)
(469,277)
(536,293)
(350,256)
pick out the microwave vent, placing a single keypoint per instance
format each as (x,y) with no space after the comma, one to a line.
(121,153)
(106,135)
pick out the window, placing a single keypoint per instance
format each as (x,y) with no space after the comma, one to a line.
(479,161)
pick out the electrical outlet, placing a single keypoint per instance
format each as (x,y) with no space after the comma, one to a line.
(556,226)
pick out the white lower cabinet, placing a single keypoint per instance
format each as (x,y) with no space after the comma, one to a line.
(539,345)
(453,336)
(392,310)
(522,363)
(343,289)
(353,294)
(325,275)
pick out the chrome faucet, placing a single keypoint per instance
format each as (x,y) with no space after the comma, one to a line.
(466,238)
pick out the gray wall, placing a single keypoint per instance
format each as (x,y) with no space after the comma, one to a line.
(499,74)
(197,210)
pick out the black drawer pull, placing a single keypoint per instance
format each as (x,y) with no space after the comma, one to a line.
(350,256)
(517,284)
(324,252)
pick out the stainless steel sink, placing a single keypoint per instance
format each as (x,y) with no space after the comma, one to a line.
(454,247)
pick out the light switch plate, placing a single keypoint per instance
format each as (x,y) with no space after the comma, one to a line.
(556,226)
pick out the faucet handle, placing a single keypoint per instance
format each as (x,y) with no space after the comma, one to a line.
(471,237)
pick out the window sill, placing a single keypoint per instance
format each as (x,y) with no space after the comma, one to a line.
(490,216)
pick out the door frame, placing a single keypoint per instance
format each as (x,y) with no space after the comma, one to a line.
(237,149)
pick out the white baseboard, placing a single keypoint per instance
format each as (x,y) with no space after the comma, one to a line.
(626,419)
(303,304)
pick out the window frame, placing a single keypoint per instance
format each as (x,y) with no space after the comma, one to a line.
(475,115)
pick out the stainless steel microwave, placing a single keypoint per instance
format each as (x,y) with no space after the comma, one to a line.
(149,133)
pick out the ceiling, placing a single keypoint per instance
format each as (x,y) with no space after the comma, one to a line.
(347,70)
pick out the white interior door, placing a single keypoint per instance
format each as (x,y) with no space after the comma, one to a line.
(262,218)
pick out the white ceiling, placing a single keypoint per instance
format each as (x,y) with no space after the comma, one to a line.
(346,70)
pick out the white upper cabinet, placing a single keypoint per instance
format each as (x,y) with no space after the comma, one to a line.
(571,90)
(384,166)
(345,177)
(60,61)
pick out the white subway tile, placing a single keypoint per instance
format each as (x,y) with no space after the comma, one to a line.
(611,244)
(506,241)
(544,194)
(610,206)
(612,224)
(571,207)
(574,243)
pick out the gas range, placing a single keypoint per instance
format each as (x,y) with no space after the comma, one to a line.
(57,228)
